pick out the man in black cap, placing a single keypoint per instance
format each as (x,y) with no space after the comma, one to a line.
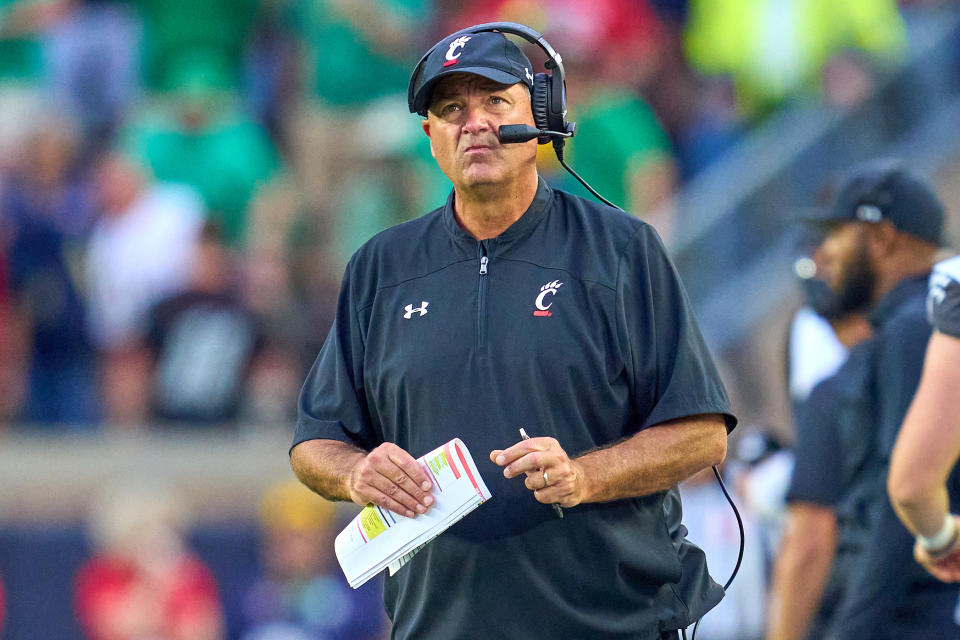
(518,305)
(822,531)
(882,235)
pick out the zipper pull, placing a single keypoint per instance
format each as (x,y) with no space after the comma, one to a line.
(483,265)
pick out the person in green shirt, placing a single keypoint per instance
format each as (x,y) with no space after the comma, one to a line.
(201,139)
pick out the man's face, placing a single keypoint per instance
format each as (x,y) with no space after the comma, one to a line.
(465,114)
(844,262)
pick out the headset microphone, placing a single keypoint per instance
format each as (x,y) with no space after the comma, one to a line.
(510,133)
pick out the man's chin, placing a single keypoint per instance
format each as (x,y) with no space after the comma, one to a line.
(481,179)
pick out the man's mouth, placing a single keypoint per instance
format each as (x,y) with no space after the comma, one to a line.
(477,148)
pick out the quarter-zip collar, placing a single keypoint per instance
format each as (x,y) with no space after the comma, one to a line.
(520,229)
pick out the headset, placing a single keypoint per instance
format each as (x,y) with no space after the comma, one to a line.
(548,97)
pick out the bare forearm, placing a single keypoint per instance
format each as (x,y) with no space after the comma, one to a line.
(929,441)
(801,572)
(325,466)
(924,514)
(654,459)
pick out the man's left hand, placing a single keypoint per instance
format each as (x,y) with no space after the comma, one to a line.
(552,476)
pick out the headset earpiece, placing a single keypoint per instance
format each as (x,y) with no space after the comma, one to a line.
(548,96)
(540,103)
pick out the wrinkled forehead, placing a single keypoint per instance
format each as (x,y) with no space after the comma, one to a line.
(459,82)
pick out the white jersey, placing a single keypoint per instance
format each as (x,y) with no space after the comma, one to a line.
(943,299)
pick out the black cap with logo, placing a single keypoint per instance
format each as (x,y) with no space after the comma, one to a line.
(881,190)
(488,54)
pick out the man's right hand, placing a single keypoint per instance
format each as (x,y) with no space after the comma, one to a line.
(391,478)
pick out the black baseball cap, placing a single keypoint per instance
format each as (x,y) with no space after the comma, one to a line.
(488,53)
(884,189)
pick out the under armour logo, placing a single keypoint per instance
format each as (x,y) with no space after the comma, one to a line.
(410,310)
(549,289)
(529,75)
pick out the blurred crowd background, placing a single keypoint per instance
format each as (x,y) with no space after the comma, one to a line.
(182,183)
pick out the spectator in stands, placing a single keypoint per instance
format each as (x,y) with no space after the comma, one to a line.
(13,355)
(46,210)
(200,138)
(392,180)
(92,55)
(183,35)
(699,114)
(203,341)
(303,593)
(271,68)
(345,43)
(141,581)
(287,283)
(775,50)
(22,73)
(621,149)
(139,252)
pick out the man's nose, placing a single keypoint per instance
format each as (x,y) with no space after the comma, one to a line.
(820,254)
(476,119)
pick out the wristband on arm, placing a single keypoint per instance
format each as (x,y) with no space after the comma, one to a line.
(941,543)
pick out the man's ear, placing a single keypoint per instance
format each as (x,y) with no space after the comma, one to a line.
(426,129)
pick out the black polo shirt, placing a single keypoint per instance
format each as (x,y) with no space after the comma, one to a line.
(572,324)
(833,453)
(835,466)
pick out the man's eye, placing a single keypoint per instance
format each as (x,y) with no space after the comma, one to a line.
(496,99)
(450,107)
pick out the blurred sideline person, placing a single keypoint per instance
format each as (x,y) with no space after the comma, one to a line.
(302,593)
(924,460)
(142,581)
(203,341)
(518,305)
(46,211)
(883,232)
(820,534)
(139,252)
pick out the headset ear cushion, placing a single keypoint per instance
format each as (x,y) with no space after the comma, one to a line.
(540,102)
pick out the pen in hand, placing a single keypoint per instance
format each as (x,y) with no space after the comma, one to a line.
(556,507)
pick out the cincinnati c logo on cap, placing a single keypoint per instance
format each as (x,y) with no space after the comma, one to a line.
(456,48)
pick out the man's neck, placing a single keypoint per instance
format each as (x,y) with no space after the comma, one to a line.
(487,211)
(852,329)
(900,266)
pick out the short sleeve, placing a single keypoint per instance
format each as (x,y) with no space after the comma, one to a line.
(943,298)
(672,374)
(818,453)
(898,370)
(332,404)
